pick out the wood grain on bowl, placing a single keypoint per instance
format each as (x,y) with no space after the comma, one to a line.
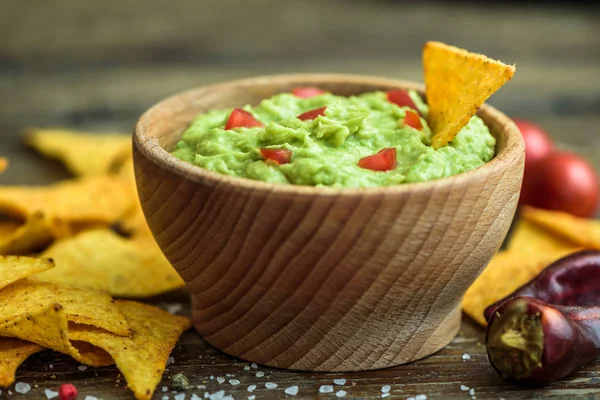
(321,279)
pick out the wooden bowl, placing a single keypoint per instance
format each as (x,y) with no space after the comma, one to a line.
(321,279)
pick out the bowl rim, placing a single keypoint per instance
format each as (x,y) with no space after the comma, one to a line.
(149,147)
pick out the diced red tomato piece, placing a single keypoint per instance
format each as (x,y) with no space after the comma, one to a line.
(280,156)
(306,92)
(401,98)
(241,119)
(412,119)
(312,114)
(383,160)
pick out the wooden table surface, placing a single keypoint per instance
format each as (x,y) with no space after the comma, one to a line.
(97,65)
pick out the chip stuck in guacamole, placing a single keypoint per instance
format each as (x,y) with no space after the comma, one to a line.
(328,140)
(312,137)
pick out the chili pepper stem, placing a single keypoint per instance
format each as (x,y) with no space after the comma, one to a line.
(515,342)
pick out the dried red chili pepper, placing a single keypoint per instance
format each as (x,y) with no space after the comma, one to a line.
(549,327)
(67,391)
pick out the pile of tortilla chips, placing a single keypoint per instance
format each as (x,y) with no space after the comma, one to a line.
(67,248)
(540,237)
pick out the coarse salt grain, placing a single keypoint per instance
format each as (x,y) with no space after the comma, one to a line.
(466,356)
(340,393)
(180,396)
(253,365)
(170,361)
(385,395)
(246,368)
(260,374)
(292,390)
(174,308)
(340,382)
(270,385)
(464,388)
(251,388)
(206,395)
(220,379)
(251,397)
(326,389)
(471,391)
(386,389)
(212,377)
(50,394)
(420,397)
(217,395)
(234,382)
(165,398)
(82,367)
(195,397)
(22,387)
(88,397)
(230,375)
(51,366)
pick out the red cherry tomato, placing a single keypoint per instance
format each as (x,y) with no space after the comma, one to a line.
(312,114)
(280,156)
(306,92)
(241,119)
(384,160)
(537,146)
(412,119)
(566,182)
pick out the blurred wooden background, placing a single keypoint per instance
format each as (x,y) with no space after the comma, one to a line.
(96,65)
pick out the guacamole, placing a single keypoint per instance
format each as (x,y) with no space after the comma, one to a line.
(328,140)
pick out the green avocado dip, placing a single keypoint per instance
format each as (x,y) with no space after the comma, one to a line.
(328,140)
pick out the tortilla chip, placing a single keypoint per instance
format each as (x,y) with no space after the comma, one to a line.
(101,199)
(14,268)
(37,232)
(581,231)
(532,240)
(141,358)
(81,305)
(457,83)
(13,353)
(84,154)
(3,164)
(103,260)
(47,326)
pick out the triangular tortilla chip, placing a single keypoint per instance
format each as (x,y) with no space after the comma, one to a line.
(37,231)
(3,164)
(104,260)
(84,154)
(457,83)
(583,232)
(102,199)
(530,239)
(13,352)
(81,305)
(141,358)
(13,268)
(47,326)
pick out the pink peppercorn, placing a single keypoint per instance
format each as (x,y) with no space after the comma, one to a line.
(67,391)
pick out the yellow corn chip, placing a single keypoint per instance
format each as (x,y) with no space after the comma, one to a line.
(141,358)
(532,240)
(3,164)
(13,268)
(81,305)
(83,154)
(47,326)
(8,228)
(104,260)
(13,353)
(37,231)
(457,83)
(102,199)
(583,232)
